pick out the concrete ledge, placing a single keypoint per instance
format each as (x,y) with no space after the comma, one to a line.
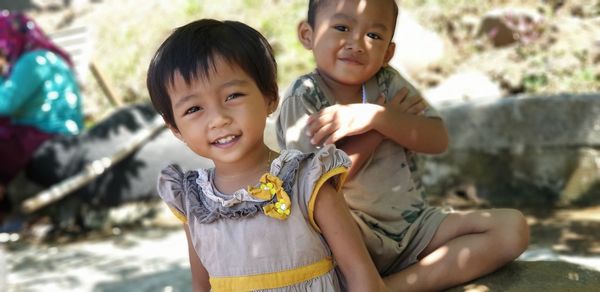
(541,121)
(546,276)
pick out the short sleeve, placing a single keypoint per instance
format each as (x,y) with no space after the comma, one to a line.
(301,100)
(170,189)
(391,81)
(328,165)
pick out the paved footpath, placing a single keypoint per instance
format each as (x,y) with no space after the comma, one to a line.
(148,260)
(155,259)
(145,260)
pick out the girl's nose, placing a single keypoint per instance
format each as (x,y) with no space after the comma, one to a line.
(220,118)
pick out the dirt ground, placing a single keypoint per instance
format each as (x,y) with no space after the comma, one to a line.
(128,259)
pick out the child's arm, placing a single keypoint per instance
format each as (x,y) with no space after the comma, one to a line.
(199,274)
(415,132)
(344,239)
(360,147)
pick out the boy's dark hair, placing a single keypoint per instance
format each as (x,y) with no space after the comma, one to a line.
(192,50)
(314,5)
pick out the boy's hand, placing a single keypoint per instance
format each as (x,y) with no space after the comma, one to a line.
(414,105)
(338,121)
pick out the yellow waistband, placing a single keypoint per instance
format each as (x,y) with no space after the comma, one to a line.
(272,280)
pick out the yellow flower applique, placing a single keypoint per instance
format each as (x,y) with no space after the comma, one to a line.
(271,186)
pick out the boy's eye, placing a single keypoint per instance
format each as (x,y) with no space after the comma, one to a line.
(233,96)
(192,110)
(374,36)
(341,27)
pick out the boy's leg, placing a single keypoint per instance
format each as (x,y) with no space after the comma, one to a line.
(466,245)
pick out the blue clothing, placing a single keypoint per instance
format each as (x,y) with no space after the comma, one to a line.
(42,91)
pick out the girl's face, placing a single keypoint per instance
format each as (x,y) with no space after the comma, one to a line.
(222,117)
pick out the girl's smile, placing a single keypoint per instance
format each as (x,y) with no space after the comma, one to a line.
(226,141)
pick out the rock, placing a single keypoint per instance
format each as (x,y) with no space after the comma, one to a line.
(463,87)
(522,151)
(547,276)
(509,25)
(417,48)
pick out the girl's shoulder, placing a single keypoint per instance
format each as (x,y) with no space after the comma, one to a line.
(308,169)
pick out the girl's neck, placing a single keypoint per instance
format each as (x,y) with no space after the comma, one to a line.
(343,93)
(234,176)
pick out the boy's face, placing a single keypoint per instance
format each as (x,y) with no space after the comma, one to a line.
(351,39)
(222,117)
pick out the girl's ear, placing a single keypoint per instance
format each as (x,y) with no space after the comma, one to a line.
(272,105)
(389,53)
(305,34)
(175,132)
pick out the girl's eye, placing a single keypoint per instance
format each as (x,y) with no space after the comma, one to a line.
(233,96)
(192,110)
(341,27)
(374,36)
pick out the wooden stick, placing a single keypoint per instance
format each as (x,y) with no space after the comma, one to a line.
(105,85)
(93,170)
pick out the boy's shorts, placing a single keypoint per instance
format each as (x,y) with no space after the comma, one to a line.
(390,255)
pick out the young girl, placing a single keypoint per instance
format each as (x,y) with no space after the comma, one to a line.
(256,221)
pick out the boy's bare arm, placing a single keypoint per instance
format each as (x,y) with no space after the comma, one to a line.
(349,122)
(415,132)
(359,148)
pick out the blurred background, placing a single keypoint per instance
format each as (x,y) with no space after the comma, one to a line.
(518,83)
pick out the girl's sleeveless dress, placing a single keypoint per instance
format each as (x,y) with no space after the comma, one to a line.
(265,237)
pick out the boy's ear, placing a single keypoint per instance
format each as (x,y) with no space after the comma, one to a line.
(305,34)
(389,53)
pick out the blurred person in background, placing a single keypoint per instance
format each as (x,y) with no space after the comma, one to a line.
(39,95)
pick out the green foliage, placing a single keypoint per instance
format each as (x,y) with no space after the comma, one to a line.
(533,82)
(192,8)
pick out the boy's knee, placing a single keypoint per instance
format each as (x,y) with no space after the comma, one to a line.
(515,231)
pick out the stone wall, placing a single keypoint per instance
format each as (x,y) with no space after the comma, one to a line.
(522,150)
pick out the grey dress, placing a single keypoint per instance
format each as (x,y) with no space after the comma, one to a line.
(240,246)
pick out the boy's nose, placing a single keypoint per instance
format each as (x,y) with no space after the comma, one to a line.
(355,45)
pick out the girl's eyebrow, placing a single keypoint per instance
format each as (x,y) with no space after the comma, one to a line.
(234,82)
(182,101)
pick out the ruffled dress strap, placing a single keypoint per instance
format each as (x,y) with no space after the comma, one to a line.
(170,189)
(328,165)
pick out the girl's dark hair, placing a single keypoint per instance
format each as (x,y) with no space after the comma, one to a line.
(192,50)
